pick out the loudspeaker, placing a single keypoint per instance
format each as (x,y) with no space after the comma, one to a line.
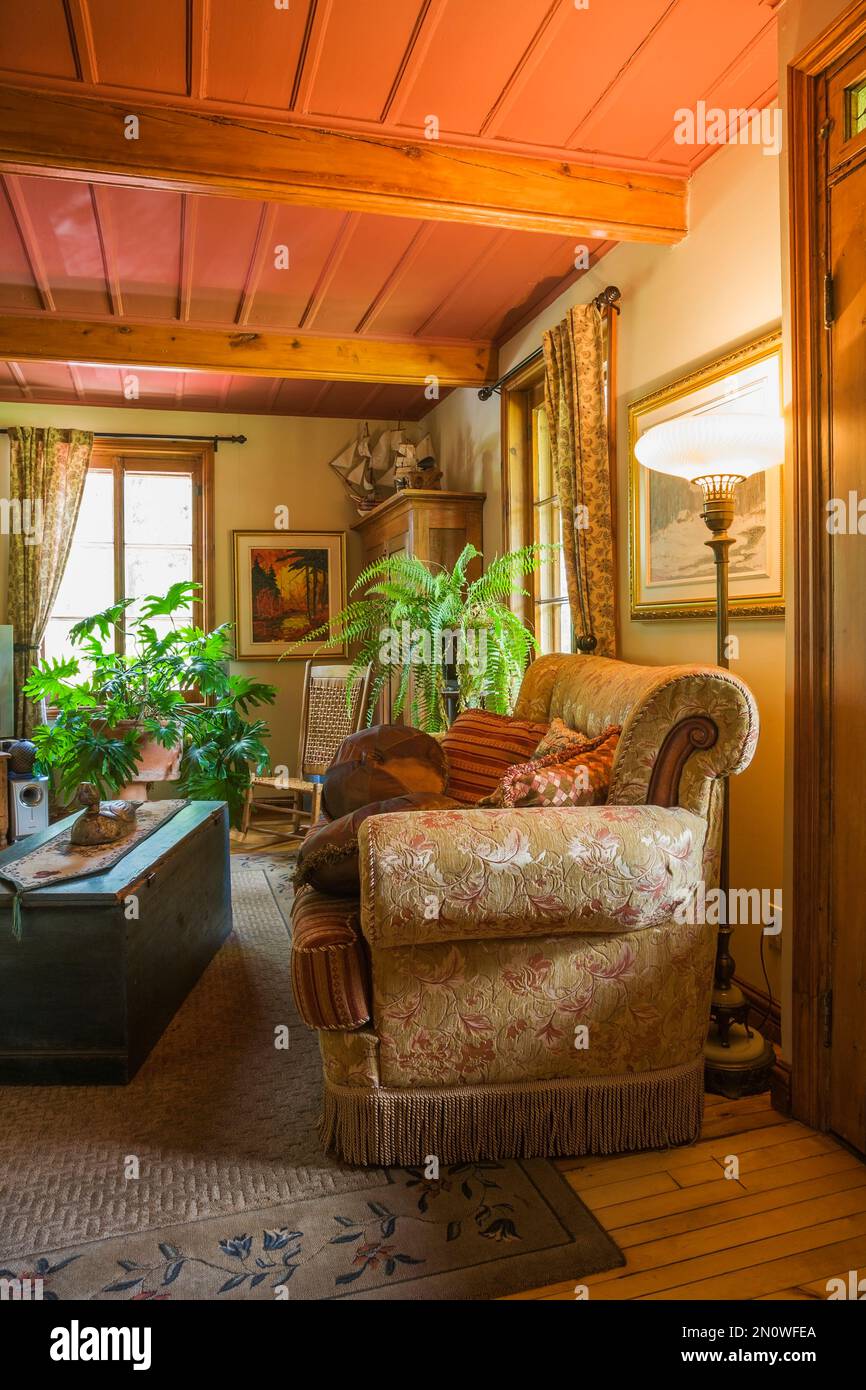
(28,806)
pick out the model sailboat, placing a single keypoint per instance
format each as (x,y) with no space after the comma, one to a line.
(359,473)
(370,471)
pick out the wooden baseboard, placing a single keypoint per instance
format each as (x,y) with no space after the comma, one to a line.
(767,1015)
(763,1012)
(780,1087)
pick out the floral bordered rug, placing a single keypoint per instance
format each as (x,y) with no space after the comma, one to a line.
(483,1230)
(203,1179)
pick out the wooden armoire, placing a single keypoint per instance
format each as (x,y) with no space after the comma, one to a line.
(434,526)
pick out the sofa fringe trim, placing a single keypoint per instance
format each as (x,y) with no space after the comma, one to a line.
(523,1119)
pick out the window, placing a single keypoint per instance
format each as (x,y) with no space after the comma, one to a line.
(855,110)
(532,509)
(144,523)
(531,505)
(551,614)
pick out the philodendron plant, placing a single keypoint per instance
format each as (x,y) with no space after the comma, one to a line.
(171,686)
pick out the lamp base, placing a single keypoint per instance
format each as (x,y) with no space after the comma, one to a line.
(743,1068)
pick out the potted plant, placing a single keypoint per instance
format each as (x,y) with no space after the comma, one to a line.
(438,628)
(166,704)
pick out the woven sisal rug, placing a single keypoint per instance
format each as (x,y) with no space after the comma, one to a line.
(203,1179)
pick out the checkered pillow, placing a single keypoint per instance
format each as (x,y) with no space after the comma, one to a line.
(578,774)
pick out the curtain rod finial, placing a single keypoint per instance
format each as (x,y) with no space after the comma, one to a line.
(609,298)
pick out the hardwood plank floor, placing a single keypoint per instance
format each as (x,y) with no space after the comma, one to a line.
(792,1215)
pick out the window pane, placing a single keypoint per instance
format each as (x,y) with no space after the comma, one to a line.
(96,516)
(563,630)
(546,523)
(543,629)
(56,644)
(157,509)
(158,535)
(88,580)
(553,627)
(550,579)
(154,568)
(560,560)
(544,485)
(552,617)
(855,110)
(158,527)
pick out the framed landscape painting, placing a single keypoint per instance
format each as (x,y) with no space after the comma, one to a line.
(287,584)
(672,572)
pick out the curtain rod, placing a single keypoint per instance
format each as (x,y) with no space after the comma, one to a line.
(215,439)
(608,299)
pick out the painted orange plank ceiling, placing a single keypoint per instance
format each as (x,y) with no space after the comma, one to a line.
(539,78)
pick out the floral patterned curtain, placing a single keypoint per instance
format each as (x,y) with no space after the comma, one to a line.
(577,419)
(47,481)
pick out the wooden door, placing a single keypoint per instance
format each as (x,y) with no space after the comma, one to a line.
(826,145)
(845,211)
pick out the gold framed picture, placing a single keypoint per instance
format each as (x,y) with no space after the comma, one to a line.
(287,584)
(671,569)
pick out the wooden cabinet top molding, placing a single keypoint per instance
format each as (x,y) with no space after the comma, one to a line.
(414,497)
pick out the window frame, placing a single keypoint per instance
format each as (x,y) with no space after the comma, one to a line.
(535,402)
(519,401)
(195,458)
(517,398)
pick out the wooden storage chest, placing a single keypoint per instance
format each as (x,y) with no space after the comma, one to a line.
(88,990)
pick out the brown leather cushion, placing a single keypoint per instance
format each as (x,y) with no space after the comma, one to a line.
(480,747)
(376,764)
(328,858)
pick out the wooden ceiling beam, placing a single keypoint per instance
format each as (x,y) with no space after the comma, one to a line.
(306,356)
(73,136)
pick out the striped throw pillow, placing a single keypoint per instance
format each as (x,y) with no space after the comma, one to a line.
(480,747)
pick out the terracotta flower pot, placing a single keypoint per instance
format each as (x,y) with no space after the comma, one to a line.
(155,763)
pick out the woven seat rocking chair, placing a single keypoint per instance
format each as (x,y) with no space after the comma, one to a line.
(326,720)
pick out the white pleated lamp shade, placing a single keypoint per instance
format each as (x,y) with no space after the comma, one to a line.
(695,446)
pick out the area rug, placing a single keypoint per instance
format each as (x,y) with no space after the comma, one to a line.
(204,1179)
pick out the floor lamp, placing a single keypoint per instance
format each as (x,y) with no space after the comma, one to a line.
(716,452)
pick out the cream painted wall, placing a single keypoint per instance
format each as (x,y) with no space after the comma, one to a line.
(465,433)
(682,307)
(284,462)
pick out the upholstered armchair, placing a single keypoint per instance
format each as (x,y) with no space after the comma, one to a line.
(525,982)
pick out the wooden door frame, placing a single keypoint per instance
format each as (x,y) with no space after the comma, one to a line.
(810,453)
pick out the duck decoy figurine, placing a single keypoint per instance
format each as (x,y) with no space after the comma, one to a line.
(101,822)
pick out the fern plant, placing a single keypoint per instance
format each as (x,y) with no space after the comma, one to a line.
(418,625)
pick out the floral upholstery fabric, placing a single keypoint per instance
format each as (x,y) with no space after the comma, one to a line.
(539,946)
(350,1059)
(590,692)
(488,1011)
(446,875)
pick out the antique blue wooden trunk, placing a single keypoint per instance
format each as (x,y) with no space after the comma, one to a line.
(89,988)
